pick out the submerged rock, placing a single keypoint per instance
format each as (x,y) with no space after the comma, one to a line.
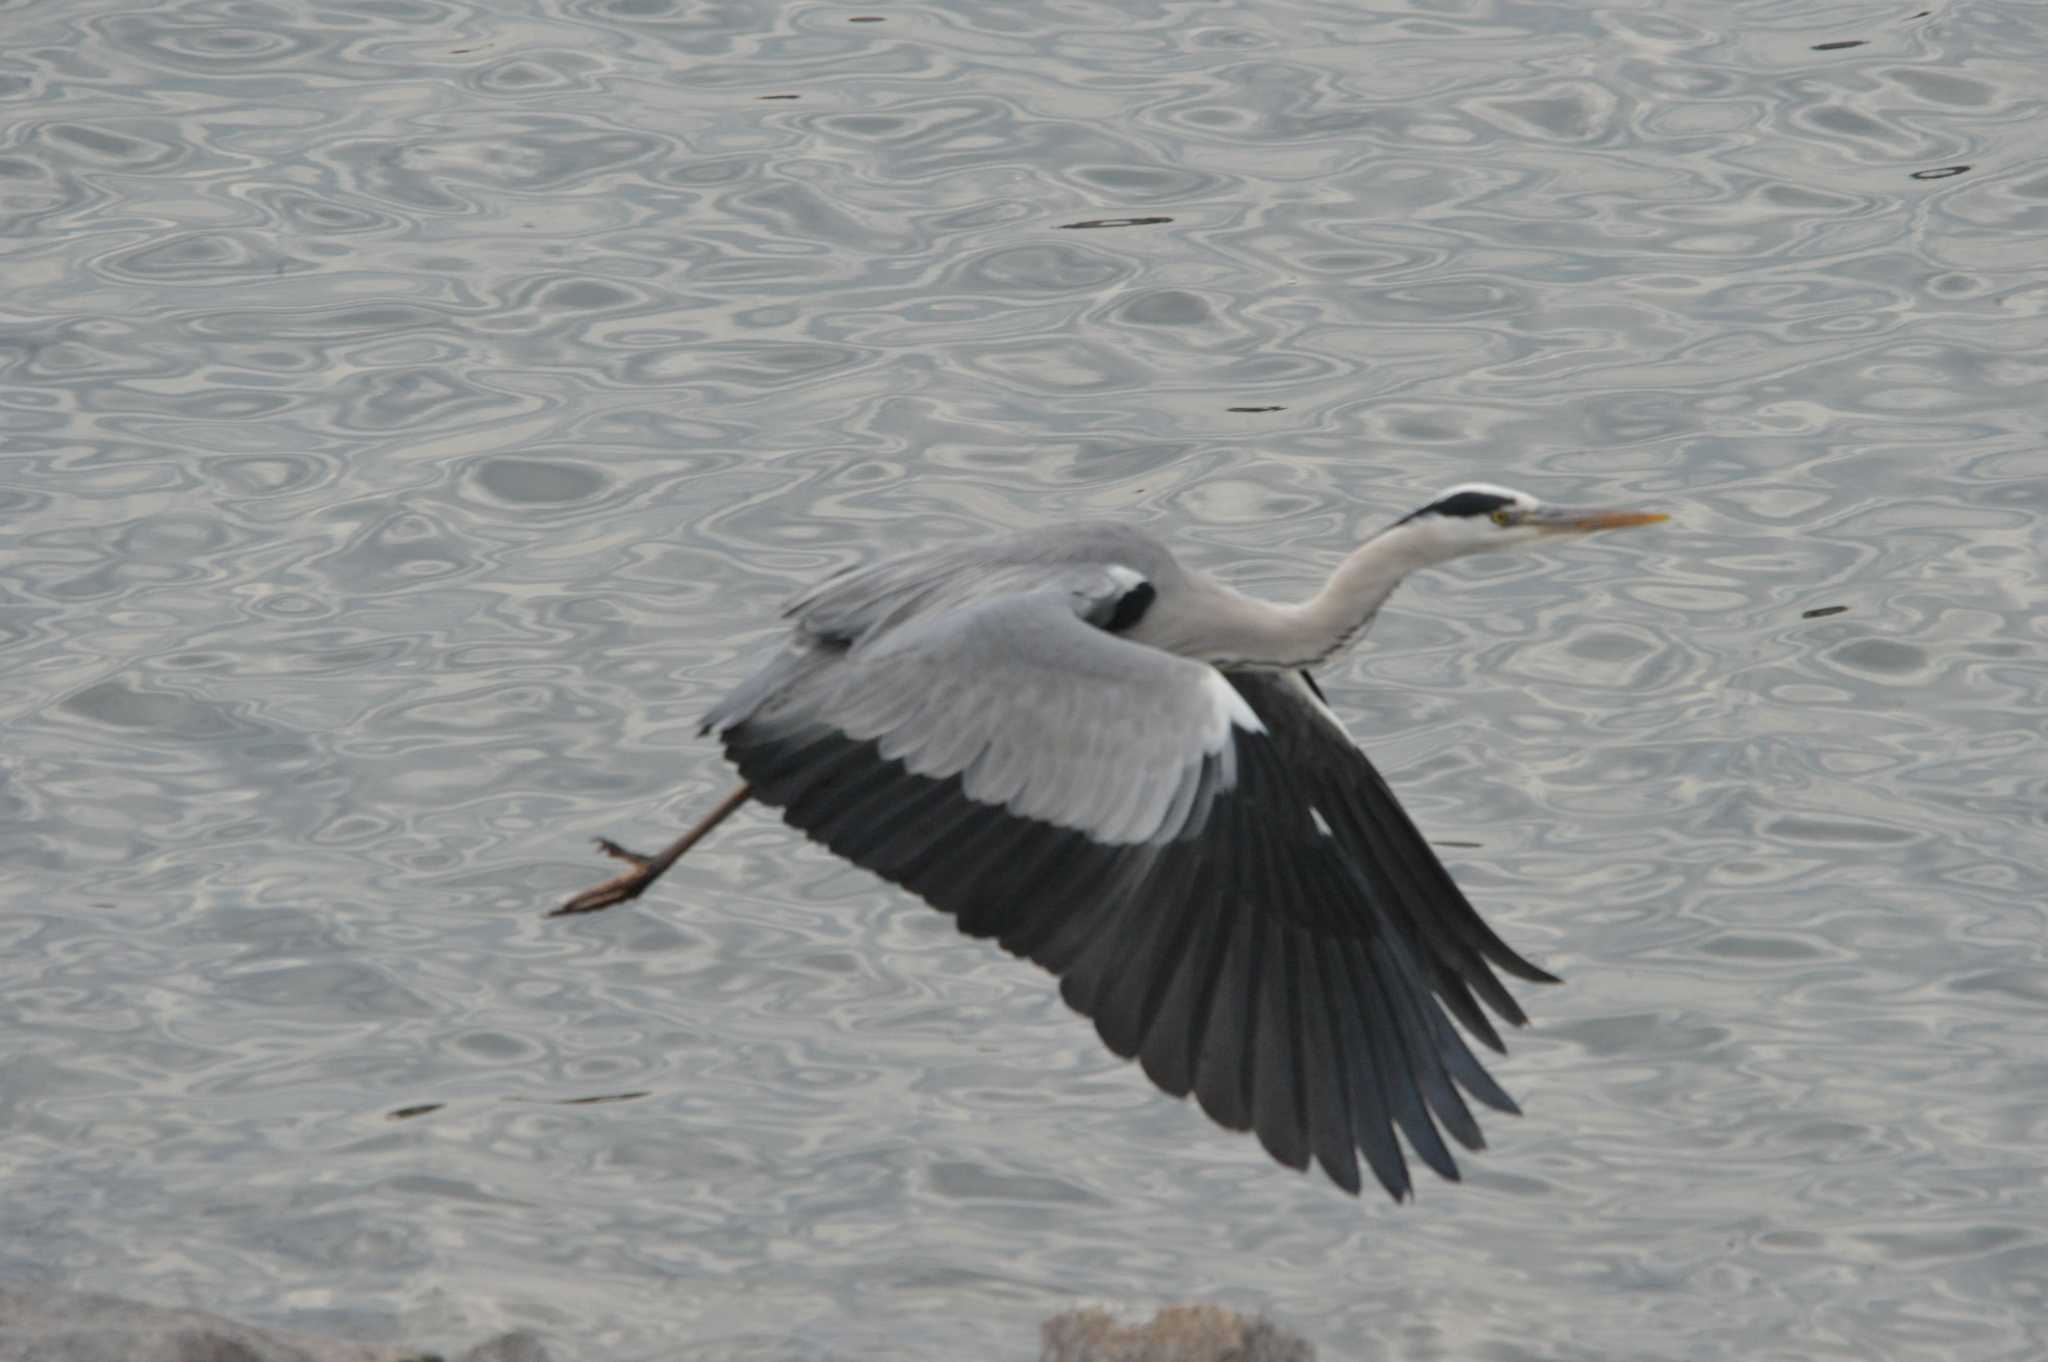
(40,1324)
(1179,1333)
(44,1324)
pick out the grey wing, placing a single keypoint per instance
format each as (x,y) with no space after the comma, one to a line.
(1026,706)
(864,604)
(1127,819)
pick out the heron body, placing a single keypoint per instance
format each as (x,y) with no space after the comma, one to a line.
(1121,769)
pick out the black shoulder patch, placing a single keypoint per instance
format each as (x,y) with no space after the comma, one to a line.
(1130,608)
(1462,504)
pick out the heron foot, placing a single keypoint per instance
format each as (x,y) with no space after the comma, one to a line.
(647,869)
(619,888)
(617,852)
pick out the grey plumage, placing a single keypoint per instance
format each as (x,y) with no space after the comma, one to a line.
(1113,766)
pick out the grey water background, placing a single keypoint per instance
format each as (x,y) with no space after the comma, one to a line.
(414,411)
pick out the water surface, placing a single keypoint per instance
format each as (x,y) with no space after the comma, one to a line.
(414,410)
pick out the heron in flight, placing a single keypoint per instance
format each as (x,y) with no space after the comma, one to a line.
(1122,769)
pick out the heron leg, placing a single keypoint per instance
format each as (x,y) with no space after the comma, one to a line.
(647,869)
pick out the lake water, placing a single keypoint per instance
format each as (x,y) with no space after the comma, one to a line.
(414,411)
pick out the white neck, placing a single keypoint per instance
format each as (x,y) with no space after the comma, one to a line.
(1232,629)
(1336,617)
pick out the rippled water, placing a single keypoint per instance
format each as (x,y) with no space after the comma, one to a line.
(414,410)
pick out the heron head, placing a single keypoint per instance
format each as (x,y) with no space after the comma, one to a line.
(1477,517)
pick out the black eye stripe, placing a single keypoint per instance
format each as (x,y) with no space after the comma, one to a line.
(1471,503)
(1464,504)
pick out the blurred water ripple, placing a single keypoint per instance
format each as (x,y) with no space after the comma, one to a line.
(413,410)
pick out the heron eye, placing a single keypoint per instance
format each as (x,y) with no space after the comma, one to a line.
(1501,517)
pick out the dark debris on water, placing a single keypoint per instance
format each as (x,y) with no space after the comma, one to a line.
(1113,222)
(423,1109)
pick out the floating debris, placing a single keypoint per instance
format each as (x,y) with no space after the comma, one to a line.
(1836,47)
(1823,612)
(1463,846)
(602,1097)
(1114,222)
(1255,409)
(1939,172)
(407,1113)
(778,96)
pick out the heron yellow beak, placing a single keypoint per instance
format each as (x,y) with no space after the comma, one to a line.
(1565,520)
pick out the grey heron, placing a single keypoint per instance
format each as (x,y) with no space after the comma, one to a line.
(1122,769)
